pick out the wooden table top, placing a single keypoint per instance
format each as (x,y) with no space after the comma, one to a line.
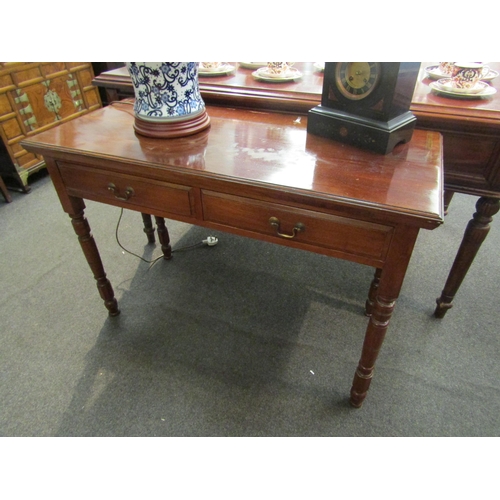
(265,149)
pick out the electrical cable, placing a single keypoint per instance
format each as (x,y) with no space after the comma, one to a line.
(210,241)
(122,247)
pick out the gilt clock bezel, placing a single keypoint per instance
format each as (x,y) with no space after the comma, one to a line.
(354,93)
(371,105)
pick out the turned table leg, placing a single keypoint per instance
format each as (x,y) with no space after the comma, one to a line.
(375,334)
(475,233)
(148,227)
(89,247)
(384,291)
(164,237)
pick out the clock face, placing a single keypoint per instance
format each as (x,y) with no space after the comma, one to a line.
(357,80)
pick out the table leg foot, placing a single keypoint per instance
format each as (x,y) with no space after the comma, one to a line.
(357,398)
(475,233)
(164,237)
(89,247)
(443,304)
(375,333)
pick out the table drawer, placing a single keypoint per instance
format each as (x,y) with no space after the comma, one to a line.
(342,235)
(152,196)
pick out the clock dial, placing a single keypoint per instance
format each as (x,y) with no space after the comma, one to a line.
(357,80)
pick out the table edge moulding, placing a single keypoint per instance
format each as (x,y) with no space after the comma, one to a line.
(262,176)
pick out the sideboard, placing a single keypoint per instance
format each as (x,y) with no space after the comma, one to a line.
(471,135)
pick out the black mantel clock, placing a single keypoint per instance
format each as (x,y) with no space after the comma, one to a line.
(366,104)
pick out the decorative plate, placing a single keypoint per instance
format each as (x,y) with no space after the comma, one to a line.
(264,75)
(434,73)
(490,76)
(252,65)
(221,70)
(447,84)
(487,92)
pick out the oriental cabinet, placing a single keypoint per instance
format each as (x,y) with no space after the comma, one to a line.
(36,96)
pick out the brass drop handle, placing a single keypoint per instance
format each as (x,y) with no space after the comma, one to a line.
(274,221)
(129,192)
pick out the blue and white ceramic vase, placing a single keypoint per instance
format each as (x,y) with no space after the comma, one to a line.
(168,102)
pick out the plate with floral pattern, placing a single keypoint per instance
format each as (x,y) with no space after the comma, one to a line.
(436,74)
(221,70)
(440,89)
(252,65)
(449,85)
(264,75)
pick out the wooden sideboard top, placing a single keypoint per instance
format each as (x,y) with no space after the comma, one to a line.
(241,87)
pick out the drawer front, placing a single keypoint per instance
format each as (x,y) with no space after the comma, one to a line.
(155,197)
(342,235)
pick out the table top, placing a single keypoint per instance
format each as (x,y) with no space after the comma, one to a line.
(264,150)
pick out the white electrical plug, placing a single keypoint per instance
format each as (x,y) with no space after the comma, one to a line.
(210,241)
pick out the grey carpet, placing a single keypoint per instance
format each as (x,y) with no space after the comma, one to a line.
(242,339)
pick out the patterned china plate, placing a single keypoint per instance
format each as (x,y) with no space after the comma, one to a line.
(222,70)
(290,75)
(490,76)
(435,74)
(252,65)
(487,92)
(447,84)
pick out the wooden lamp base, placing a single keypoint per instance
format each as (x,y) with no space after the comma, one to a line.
(172,129)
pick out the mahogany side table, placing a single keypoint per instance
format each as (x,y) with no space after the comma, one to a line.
(262,176)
